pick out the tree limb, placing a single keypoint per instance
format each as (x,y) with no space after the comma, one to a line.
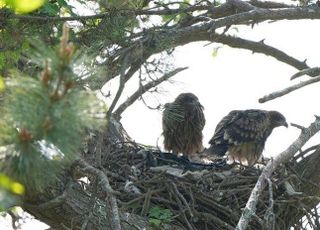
(283,157)
(285,91)
(260,47)
(143,89)
(121,86)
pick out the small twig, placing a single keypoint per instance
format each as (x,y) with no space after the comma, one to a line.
(298,126)
(146,203)
(285,91)
(283,157)
(181,207)
(14,219)
(313,72)
(143,89)
(182,198)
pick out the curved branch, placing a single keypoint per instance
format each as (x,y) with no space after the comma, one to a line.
(260,47)
(285,91)
(143,89)
(283,157)
(312,72)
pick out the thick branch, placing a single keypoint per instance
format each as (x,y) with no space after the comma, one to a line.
(288,90)
(283,157)
(143,89)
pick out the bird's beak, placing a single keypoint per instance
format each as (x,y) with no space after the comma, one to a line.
(285,124)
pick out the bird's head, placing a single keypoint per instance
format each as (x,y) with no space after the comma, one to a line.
(277,119)
(187,98)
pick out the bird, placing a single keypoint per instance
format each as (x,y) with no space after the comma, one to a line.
(243,134)
(183,121)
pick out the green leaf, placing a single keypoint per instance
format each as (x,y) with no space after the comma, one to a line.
(215,51)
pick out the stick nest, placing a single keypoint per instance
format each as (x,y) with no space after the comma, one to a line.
(168,189)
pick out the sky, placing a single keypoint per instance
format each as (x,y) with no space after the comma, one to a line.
(234,79)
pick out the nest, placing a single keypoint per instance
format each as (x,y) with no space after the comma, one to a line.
(196,196)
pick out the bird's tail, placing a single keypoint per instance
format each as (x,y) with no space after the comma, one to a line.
(217,150)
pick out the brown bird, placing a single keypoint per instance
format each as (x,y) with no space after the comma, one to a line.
(182,122)
(243,133)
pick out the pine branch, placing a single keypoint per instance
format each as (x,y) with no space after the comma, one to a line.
(142,89)
(266,174)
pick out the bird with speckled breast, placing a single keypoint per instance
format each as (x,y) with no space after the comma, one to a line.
(183,121)
(243,134)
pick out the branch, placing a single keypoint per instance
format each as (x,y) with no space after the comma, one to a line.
(121,86)
(260,47)
(285,91)
(259,15)
(313,72)
(106,187)
(283,157)
(143,89)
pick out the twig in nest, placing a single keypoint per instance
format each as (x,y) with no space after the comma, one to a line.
(283,157)
(175,193)
(285,91)
(106,187)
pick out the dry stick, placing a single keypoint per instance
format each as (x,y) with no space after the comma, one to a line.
(106,187)
(312,72)
(283,157)
(143,89)
(285,91)
(121,86)
(260,47)
(269,216)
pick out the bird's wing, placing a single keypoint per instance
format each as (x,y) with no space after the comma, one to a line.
(242,126)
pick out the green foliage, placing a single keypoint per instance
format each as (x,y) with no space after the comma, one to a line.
(44,118)
(54,8)
(158,216)
(9,192)
(22,6)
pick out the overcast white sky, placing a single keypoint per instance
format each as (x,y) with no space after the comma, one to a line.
(236,79)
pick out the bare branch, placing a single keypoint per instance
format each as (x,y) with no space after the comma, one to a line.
(285,91)
(297,126)
(260,47)
(313,72)
(283,157)
(143,89)
(121,86)
(259,15)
